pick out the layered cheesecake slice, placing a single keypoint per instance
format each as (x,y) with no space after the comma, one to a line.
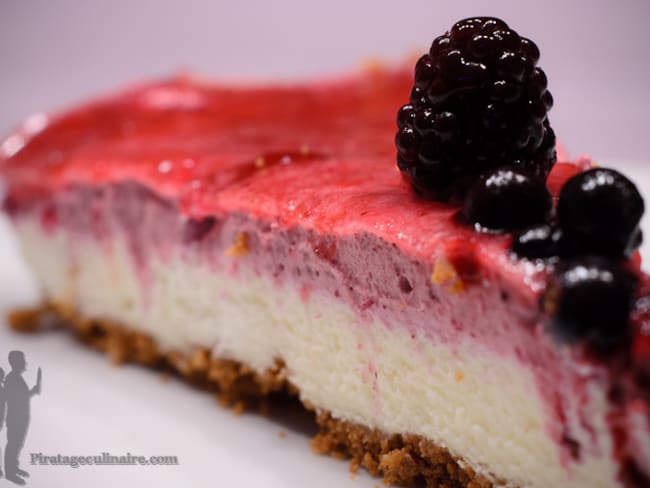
(261,240)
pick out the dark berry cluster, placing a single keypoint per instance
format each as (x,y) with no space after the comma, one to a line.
(590,295)
(478,102)
(598,213)
(476,128)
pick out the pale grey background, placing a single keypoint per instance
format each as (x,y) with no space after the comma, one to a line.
(596,52)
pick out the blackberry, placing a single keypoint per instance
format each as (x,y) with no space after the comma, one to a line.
(599,211)
(507,199)
(590,299)
(478,102)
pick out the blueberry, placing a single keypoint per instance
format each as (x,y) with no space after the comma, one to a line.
(599,212)
(590,299)
(538,242)
(506,199)
(195,230)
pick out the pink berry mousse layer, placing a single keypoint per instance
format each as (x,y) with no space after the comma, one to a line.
(302,179)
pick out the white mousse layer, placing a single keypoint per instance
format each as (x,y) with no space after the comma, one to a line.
(480,406)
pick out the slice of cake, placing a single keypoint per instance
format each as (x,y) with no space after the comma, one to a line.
(490,328)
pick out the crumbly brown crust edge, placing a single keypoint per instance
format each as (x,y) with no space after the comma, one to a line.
(399,459)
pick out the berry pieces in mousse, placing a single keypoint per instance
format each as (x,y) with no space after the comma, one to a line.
(479,101)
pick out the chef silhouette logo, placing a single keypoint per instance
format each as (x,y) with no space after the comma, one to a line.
(15,397)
